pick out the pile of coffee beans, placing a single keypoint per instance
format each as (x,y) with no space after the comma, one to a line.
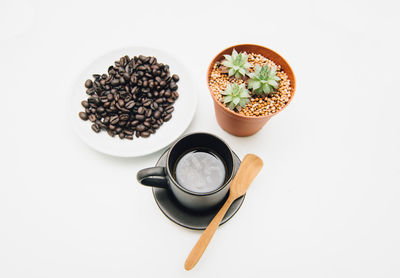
(134,99)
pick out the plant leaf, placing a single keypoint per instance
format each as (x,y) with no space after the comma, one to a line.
(244,94)
(273,83)
(227,63)
(266,89)
(227,99)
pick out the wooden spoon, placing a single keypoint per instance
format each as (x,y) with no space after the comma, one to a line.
(248,170)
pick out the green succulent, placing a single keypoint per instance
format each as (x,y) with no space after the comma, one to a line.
(264,80)
(236,96)
(237,64)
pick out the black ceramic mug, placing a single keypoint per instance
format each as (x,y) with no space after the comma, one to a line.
(164,176)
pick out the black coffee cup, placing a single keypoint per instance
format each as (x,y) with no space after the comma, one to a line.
(164,176)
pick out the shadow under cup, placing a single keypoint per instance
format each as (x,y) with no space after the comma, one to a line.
(198,201)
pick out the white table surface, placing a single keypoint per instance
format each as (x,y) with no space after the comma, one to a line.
(326,204)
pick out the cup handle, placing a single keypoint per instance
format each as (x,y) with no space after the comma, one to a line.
(154,176)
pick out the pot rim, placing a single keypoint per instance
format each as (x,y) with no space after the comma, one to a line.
(214,60)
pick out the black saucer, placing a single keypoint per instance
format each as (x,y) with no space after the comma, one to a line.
(187,218)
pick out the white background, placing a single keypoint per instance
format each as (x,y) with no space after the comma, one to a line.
(326,204)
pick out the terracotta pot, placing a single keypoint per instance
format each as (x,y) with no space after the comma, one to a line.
(235,123)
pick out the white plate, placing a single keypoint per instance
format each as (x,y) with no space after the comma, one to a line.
(185,107)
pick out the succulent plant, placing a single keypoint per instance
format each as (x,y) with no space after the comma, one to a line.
(236,64)
(264,80)
(236,96)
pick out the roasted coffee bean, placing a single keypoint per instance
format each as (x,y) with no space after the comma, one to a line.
(93,100)
(148,113)
(118,130)
(170,100)
(154,105)
(124,117)
(140,128)
(92,117)
(121,135)
(134,123)
(137,133)
(100,124)
(126,76)
(115,82)
(111,127)
(145,134)
(88,83)
(157,114)
(96,128)
(167,118)
(146,124)
(85,104)
(112,134)
(83,116)
(169,109)
(128,98)
(147,103)
(130,104)
(173,86)
(121,103)
(114,119)
(159,100)
(140,117)
(175,77)
(90,91)
(152,131)
(129,137)
(100,109)
(141,110)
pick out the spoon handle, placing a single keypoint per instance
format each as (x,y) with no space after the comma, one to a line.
(207,235)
